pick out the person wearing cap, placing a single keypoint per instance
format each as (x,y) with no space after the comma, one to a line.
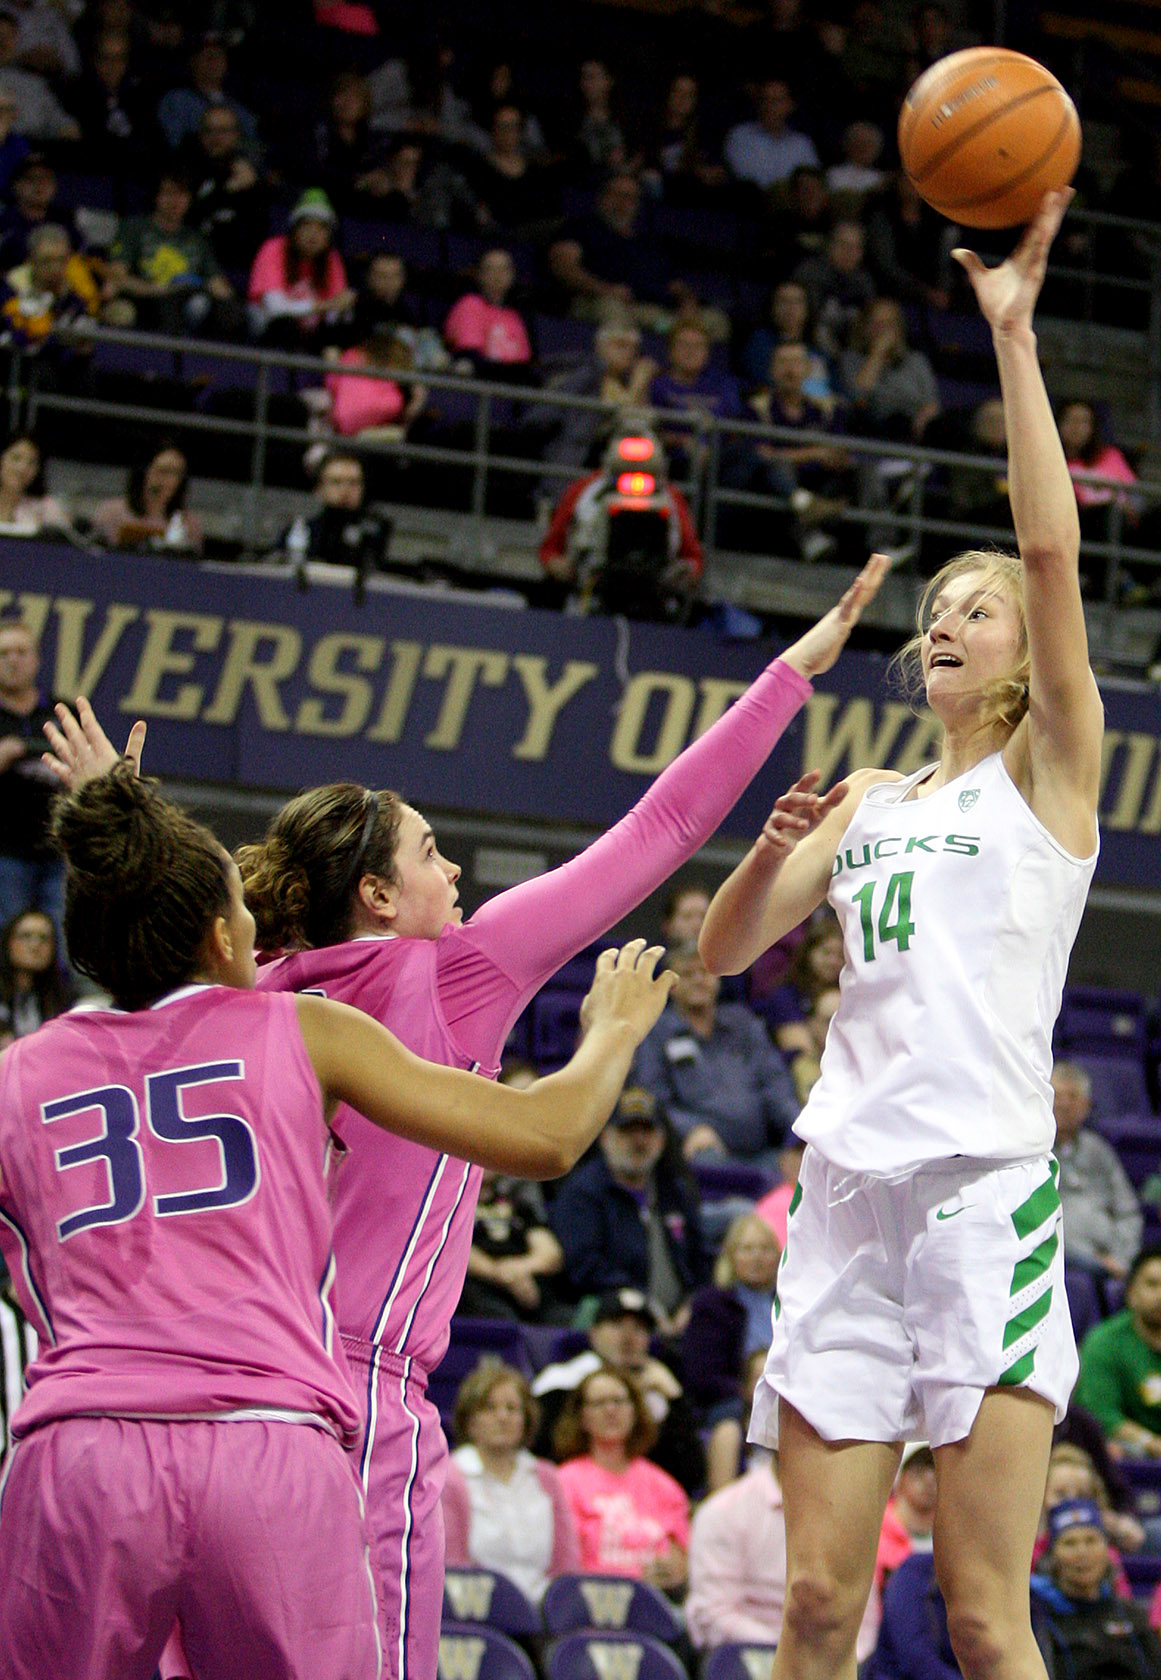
(619,1339)
(298,280)
(628,1217)
(1120,1363)
(1084,1630)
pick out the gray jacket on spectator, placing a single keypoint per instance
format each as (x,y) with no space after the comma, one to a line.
(1101,1213)
(734,1080)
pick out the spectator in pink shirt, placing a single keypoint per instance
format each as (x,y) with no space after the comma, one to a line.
(480,328)
(631,1517)
(737,1568)
(366,400)
(774,1206)
(298,279)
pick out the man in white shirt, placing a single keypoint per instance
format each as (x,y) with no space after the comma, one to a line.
(767,150)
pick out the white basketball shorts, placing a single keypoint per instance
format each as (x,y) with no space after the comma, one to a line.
(900,1301)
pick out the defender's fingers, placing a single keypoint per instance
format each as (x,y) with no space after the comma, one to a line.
(607,960)
(629,952)
(649,958)
(135,744)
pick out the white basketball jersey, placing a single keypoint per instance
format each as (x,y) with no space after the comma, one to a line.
(958,914)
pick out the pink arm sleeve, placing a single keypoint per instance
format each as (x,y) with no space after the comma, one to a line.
(457,1517)
(515,941)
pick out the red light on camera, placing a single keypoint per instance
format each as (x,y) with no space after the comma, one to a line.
(635,449)
(636,484)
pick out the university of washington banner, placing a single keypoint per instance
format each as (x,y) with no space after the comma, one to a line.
(248,682)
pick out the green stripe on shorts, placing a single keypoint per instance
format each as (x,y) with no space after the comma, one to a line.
(1034,1265)
(1019,1371)
(794,1200)
(1017,1328)
(1040,1205)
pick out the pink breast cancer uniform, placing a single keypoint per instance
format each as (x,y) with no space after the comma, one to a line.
(403,1213)
(179,1453)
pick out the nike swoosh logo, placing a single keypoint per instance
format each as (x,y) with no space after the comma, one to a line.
(942,1215)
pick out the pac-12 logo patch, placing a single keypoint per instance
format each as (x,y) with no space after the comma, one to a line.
(968,798)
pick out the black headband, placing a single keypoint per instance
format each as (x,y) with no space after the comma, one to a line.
(353,873)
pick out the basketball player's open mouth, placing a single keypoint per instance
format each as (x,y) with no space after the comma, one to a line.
(947,659)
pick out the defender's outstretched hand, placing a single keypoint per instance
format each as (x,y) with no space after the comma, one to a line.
(817,651)
(626,989)
(797,814)
(81,750)
(1007,294)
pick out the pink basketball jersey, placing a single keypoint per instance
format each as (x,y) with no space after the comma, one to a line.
(403,1213)
(164,1216)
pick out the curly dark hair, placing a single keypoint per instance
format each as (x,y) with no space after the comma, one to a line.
(143,886)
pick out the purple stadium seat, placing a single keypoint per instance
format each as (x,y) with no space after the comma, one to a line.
(718,1180)
(474,1651)
(555,1024)
(608,1601)
(739,1662)
(1119,1086)
(1144,1572)
(485,1595)
(140,360)
(1101,1021)
(611,1656)
(471,1339)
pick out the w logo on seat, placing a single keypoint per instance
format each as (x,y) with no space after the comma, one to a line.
(608,1604)
(615,1662)
(756,1661)
(460,1657)
(470,1595)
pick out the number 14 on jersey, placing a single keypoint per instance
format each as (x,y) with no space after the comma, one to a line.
(893,922)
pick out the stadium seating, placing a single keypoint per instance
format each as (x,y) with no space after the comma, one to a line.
(610,1656)
(486,1595)
(608,1601)
(474,1651)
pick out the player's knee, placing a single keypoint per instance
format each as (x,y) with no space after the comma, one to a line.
(980,1639)
(820,1609)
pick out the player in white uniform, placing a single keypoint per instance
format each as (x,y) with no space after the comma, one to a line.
(922,1286)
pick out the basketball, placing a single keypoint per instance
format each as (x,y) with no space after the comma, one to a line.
(985,133)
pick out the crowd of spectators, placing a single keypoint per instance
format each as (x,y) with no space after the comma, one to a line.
(722,233)
(647,1389)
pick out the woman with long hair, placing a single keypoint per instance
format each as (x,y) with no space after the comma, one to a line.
(165,1219)
(152,512)
(298,280)
(351,884)
(921,1292)
(32,987)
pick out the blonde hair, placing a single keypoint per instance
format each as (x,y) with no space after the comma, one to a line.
(725,1272)
(1006,699)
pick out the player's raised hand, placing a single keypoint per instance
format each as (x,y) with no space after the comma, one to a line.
(797,814)
(820,647)
(80,749)
(1007,294)
(627,989)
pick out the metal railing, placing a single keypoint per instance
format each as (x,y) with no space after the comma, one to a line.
(708,488)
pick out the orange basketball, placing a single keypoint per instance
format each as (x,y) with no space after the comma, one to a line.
(985,133)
